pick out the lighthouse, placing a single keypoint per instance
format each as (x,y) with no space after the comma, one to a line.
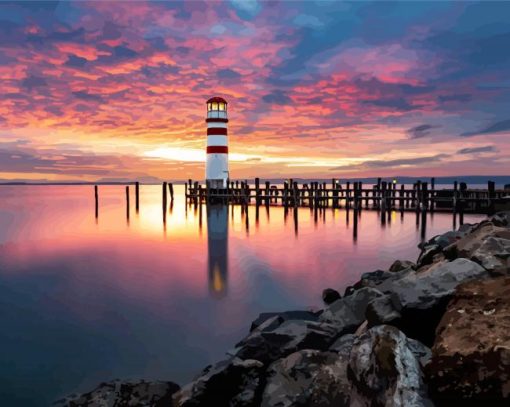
(216,169)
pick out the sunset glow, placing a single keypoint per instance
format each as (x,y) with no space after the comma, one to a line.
(116,91)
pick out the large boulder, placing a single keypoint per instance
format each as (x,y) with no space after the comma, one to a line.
(501,219)
(268,345)
(384,371)
(348,313)
(423,295)
(466,246)
(124,394)
(494,255)
(308,378)
(470,362)
(232,383)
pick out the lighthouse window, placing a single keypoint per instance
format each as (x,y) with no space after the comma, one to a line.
(214,106)
(221,106)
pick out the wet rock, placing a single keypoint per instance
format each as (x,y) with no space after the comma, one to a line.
(233,382)
(384,310)
(384,371)
(329,296)
(283,316)
(348,313)
(399,265)
(123,394)
(470,362)
(494,256)
(420,351)
(291,336)
(308,378)
(372,279)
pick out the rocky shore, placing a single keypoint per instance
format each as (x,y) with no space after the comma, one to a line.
(434,332)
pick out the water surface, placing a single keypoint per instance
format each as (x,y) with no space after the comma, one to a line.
(85,300)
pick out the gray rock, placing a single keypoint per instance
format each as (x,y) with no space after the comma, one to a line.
(501,219)
(233,382)
(308,378)
(399,265)
(424,295)
(384,371)
(494,256)
(291,336)
(124,394)
(384,310)
(427,254)
(329,296)
(348,313)
(283,316)
(421,352)
(343,344)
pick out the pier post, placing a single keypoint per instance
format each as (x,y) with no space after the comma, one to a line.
(347,194)
(96,197)
(257,191)
(171,190)
(127,202)
(491,186)
(267,192)
(164,196)
(137,196)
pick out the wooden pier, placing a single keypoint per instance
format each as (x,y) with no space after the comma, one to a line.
(384,196)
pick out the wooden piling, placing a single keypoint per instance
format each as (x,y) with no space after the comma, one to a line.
(171,190)
(137,196)
(164,196)
(127,201)
(96,196)
(491,186)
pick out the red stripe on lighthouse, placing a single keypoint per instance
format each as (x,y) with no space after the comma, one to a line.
(217,150)
(216,131)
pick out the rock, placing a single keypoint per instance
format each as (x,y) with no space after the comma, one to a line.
(494,256)
(329,296)
(308,378)
(372,279)
(124,393)
(427,254)
(501,219)
(283,316)
(343,344)
(466,246)
(361,329)
(291,336)
(384,371)
(349,290)
(348,313)
(399,265)
(233,382)
(471,356)
(425,294)
(420,351)
(384,310)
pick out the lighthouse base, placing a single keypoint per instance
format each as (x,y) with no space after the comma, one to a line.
(217,183)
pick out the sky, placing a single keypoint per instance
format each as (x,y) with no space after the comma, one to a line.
(115,91)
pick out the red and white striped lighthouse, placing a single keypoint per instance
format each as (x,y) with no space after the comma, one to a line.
(216,169)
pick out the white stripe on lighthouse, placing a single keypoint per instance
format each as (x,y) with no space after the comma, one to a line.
(216,125)
(217,140)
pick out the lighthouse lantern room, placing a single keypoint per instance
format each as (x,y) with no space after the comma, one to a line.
(216,169)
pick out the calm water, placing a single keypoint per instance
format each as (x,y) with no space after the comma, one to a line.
(85,300)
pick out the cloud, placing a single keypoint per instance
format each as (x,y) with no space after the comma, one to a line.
(394,103)
(31,82)
(277,97)
(498,127)
(75,62)
(228,74)
(474,150)
(420,131)
(87,96)
(405,161)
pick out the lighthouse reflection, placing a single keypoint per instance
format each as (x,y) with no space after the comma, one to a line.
(217,247)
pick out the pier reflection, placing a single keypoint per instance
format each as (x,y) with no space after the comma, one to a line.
(217,249)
